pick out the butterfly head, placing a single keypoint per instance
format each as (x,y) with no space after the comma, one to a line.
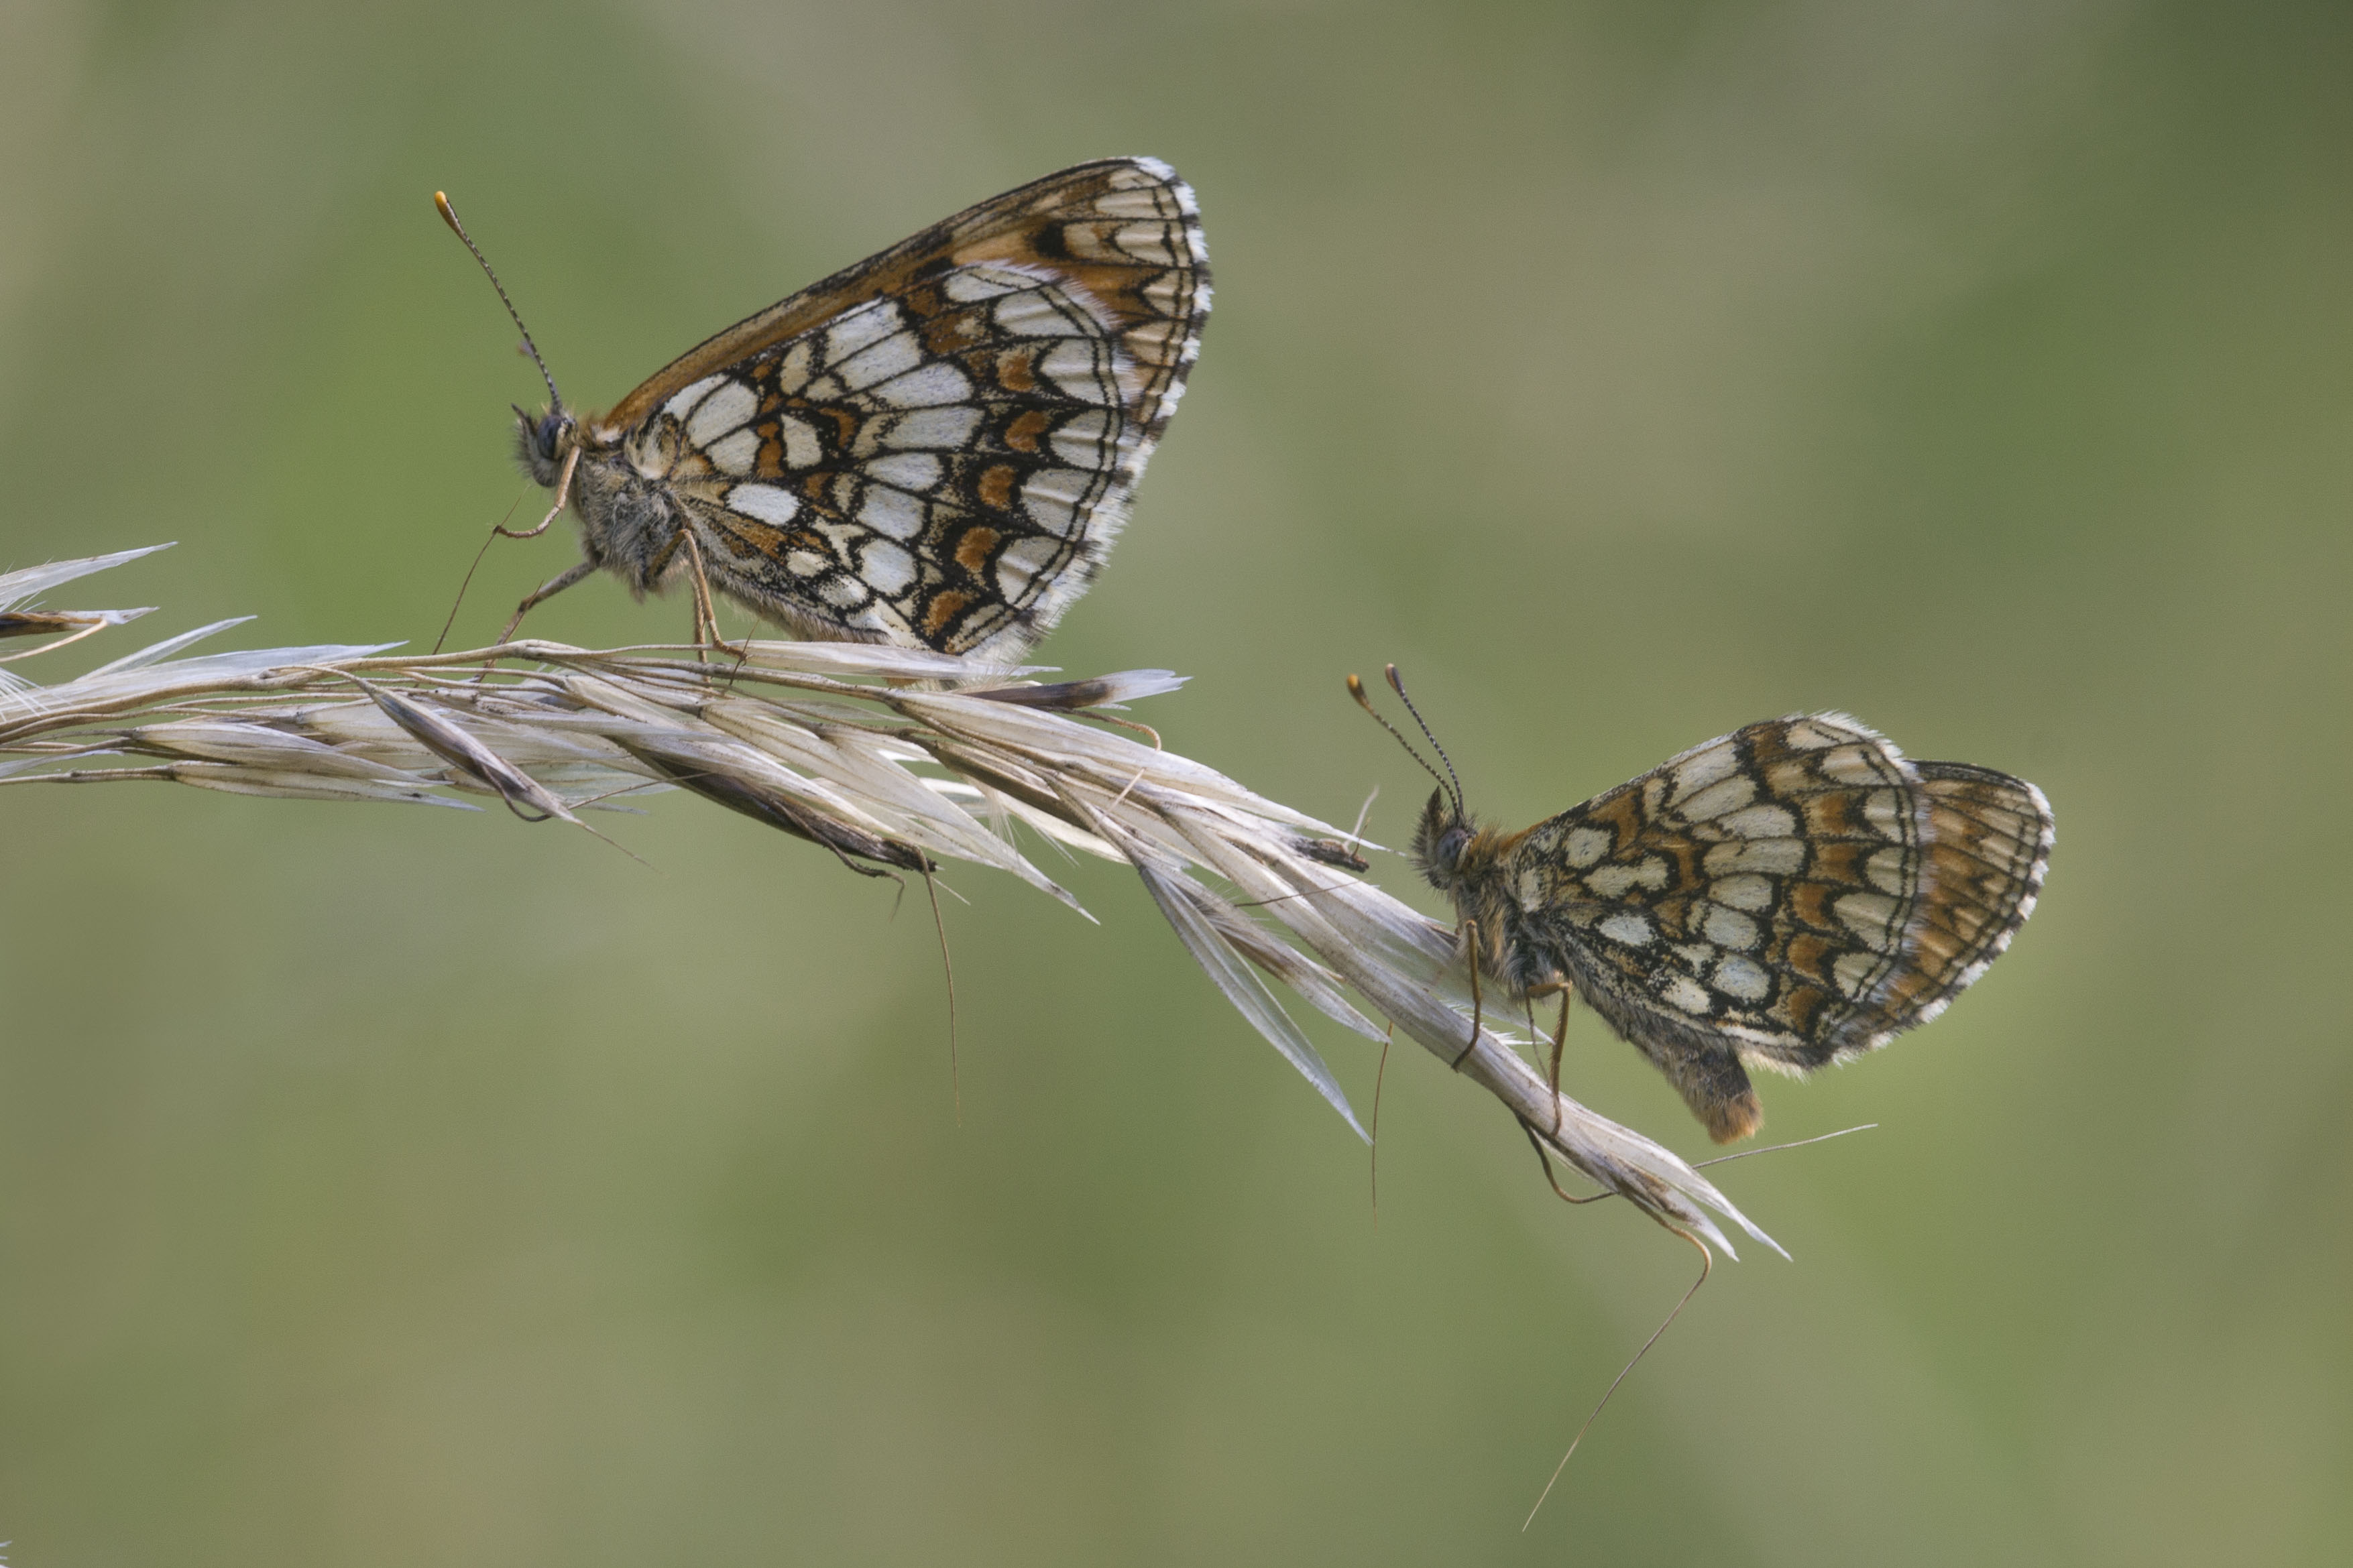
(541,440)
(1440,841)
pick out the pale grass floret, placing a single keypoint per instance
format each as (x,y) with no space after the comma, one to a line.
(889,757)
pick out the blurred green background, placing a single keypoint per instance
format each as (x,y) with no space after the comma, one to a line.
(384,1186)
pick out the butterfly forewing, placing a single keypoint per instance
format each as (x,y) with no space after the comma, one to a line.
(1797,888)
(938,444)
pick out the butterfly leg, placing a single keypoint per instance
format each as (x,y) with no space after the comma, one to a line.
(563,497)
(1545,1160)
(547,590)
(1468,936)
(1559,1037)
(706,618)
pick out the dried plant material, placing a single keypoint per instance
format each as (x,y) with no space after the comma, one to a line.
(830,743)
(20,618)
(25,583)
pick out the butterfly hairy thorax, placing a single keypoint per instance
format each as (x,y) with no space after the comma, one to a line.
(1791,895)
(935,448)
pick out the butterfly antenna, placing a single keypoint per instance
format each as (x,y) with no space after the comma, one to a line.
(450,216)
(1397,684)
(1357,690)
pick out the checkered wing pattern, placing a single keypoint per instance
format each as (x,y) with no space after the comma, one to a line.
(938,446)
(1796,890)
(1990,838)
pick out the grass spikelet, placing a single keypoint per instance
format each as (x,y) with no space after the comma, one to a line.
(893,759)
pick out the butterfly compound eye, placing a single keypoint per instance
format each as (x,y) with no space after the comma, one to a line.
(1448,851)
(539,440)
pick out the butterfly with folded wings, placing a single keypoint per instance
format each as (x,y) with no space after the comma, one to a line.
(935,448)
(1791,895)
